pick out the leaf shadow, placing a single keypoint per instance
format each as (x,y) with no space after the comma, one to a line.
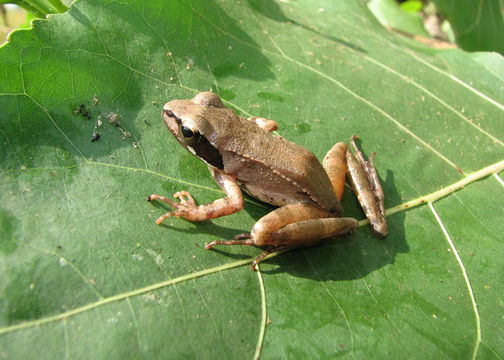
(204,227)
(272,10)
(116,73)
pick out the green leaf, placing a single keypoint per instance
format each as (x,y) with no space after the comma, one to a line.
(39,8)
(86,273)
(389,13)
(478,25)
(412,6)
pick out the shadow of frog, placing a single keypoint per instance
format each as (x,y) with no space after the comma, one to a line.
(342,258)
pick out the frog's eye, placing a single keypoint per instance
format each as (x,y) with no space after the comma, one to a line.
(190,135)
(187,132)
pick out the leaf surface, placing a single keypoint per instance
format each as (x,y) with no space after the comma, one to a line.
(85,271)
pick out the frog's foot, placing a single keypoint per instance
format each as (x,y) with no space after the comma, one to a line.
(244,239)
(364,178)
(182,208)
(240,239)
(265,253)
(247,242)
(186,207)
(185,198)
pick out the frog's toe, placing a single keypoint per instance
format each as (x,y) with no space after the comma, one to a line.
(185,198)
(163,217)
(247,242)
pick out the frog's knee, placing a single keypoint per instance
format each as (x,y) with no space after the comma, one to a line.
(259,234)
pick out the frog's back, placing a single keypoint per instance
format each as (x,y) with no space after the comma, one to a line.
(273,169)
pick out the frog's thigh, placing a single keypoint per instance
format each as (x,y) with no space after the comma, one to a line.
(310,232)
(335,166)
(281,217)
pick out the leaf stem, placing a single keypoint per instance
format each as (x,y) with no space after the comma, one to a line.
(494,168)
(30,7)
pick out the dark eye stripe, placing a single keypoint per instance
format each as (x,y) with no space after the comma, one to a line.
(207,152)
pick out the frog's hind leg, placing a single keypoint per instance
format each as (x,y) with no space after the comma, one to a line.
(371,175)
(364,179)
(292,226)
(304,234)
(242,241)
(335,166)
(362,174)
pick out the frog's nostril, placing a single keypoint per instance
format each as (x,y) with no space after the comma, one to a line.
(169,113)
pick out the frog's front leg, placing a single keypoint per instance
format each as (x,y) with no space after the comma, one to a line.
(292,226)
(263,123)
(188,209)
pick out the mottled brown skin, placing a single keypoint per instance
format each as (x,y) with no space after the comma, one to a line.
(243,153)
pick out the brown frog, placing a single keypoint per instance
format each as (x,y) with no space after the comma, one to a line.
(244,154)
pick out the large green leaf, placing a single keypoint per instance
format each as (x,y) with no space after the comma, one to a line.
(85,271)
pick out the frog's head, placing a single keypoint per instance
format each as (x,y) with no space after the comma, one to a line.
(194,121)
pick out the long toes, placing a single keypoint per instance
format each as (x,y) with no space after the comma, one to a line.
(165,216)
(185,198)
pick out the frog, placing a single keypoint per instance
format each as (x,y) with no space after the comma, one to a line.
(248,155)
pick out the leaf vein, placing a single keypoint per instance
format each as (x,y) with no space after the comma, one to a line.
(466,279)
(264,315)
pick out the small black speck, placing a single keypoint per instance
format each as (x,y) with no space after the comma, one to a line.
(96,136)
